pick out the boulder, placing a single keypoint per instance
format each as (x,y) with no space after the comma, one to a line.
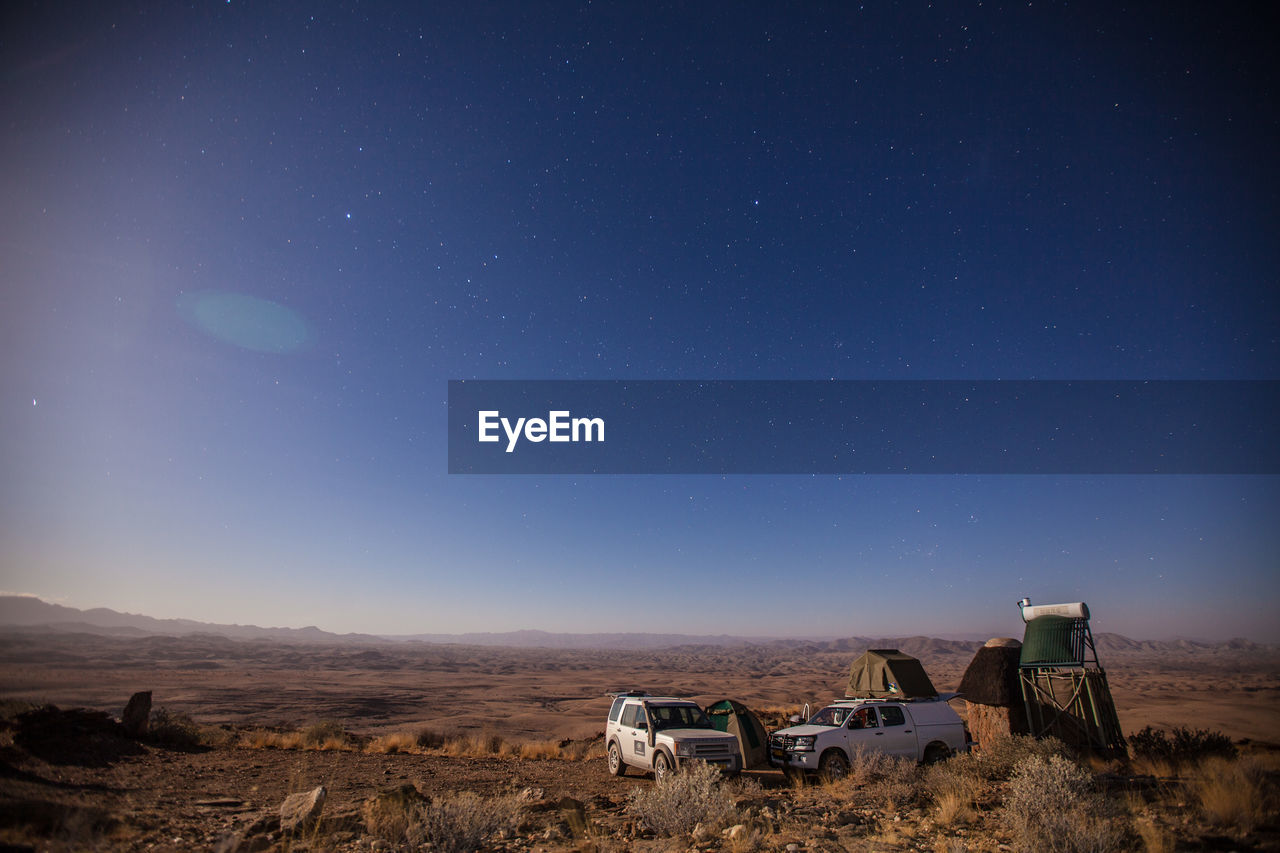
(300,811)
(137,714)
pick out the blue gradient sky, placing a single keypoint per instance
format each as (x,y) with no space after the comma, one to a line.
(242,250)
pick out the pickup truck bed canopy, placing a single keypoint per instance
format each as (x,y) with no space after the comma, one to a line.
(888,674)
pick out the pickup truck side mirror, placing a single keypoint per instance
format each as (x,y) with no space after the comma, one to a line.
(793,719)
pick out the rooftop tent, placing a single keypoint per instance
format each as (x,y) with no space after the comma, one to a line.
(737,719)
(888,674)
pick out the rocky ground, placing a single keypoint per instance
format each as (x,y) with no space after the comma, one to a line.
(71,780)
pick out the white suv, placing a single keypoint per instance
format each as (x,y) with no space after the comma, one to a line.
(661,733)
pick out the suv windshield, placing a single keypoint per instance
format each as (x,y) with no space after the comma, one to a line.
(678,717)
(832,715)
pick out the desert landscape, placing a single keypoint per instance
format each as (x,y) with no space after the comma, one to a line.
(240,724)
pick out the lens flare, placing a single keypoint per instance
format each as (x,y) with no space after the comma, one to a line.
(245,321)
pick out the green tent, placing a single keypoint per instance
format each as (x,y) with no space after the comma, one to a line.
(737,719)
(888,674)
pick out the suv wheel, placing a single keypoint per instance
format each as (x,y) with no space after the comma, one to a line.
(661,767)
(617,766)
(833,766)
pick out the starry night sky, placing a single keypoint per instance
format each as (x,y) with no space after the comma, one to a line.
(244,247)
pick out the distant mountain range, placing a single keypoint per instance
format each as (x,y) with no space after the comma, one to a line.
(26,613)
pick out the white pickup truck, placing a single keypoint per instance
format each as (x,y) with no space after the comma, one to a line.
(922,731)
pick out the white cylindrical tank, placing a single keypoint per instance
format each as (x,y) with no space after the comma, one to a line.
(1075,610)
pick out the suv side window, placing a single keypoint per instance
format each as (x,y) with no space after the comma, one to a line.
(617,708)
(892,716)
(863,718)
(632,716)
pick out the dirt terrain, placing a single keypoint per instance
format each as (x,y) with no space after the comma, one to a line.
(561,693)
(150,796)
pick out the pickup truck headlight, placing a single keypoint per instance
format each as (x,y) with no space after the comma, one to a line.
(804,743)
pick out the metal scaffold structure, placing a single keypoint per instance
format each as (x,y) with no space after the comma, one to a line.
(1064,688)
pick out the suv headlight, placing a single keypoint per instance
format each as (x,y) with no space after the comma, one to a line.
(804,743)
(685,749)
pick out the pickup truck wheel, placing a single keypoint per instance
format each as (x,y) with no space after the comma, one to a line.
(833,766)
(661,766)
(935,752)
(617,766)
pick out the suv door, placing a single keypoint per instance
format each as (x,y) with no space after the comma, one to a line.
(634,735)
(862,731)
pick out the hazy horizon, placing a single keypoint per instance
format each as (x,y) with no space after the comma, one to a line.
(978,636)
(247,248)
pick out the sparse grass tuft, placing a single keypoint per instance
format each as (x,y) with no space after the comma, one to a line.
(682,801)
(390,744)
(1232,793)
(952,809)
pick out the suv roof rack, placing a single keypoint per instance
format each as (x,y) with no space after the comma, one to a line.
(628,694)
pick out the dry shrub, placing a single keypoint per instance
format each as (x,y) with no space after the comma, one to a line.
(391,815)
(582,750)
(389,744)
(888,781)
(957,777)
(173,729)
(1051,805)
(1180,744)
(467,821)
(1232,793)
(478,745)
(540,750)
(898,785)
(868,765)
(683,800)
(999,757)
(460,822)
